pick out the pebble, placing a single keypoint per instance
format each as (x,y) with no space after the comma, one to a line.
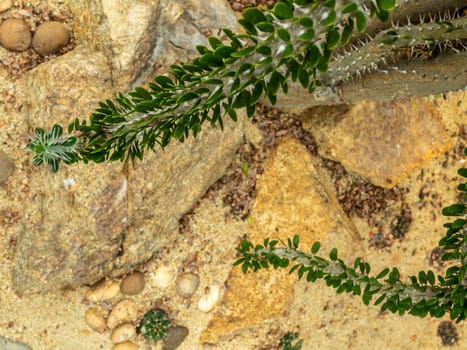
(165,276)
(128,345)
(95,319)
(5,5)
(7,344)
(133,283)
(50,37)
(175,336)
(15,34)
(187,285)
(122,333)
(6,167)
(125,310)
(210,298)
(104,291)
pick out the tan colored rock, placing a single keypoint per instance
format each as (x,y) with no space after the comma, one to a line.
(164,276)
(50,37)
(6,167)
(96,320)
(59,248)
(293,198)
(133,283)
(127,345)
(15,34)
(102,292)
(5,5)
(187,284)
(125,310)
(122,333)
(381,141)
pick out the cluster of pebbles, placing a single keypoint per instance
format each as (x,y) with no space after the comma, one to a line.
(32,33)
(114,307)
(48,38)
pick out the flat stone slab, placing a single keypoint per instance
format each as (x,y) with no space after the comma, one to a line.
(292,199)
(381,141)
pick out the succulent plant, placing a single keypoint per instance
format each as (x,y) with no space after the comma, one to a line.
(155,324)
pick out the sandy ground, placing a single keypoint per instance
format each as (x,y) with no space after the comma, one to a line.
(323,320)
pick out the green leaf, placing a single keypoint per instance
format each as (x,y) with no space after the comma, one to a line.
(386,5)
(330,19)
(333,254)
(333,39)
(315,247)
(283,34)
(250,27)
(305,21)
(350,7)
(462,172)
(264,50)
(282,11)
(164,81)
(361,21)
(214,42)
(244,52)
(330,3)
(253,15)
(265,27)
(296,241)
(223,52)
(347,32)
(382,273)
(307,35)
(454,210)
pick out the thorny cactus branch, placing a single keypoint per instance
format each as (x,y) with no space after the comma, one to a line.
(419,295)
(294,41)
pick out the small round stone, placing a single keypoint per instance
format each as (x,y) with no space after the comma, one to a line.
(127,345)
(15,34)
(6,167)
(122,333)
(133,283)
(95,319)
(175,336)
(5,5)
(187,285)
(210,298)
(165,276)
(50,37)
(124,311)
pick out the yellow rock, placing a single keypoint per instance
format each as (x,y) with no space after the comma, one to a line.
(381,141)
(292,199)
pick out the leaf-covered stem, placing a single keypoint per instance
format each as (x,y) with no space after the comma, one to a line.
(419,295)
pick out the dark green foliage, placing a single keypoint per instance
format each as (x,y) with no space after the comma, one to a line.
(155,324)
(289,341)
(279,44)
(424,294)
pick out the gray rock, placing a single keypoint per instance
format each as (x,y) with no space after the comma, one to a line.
(88,221)
(6,167)
(6,344)
(175,337)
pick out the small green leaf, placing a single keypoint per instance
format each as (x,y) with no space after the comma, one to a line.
(264,50)
(386,5)
(253,15)
(282,10)
(330,19)
(305,21)
(382,273)
(462,172)
(265,27)
(307,35)
(283,34)
(333,39)
(350,7)
(164,81)
(361,21)
(214,42)
(454,210)
(250,27)
(333,254)
(315,247)
(296,241)
(347,32)
(330,3)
